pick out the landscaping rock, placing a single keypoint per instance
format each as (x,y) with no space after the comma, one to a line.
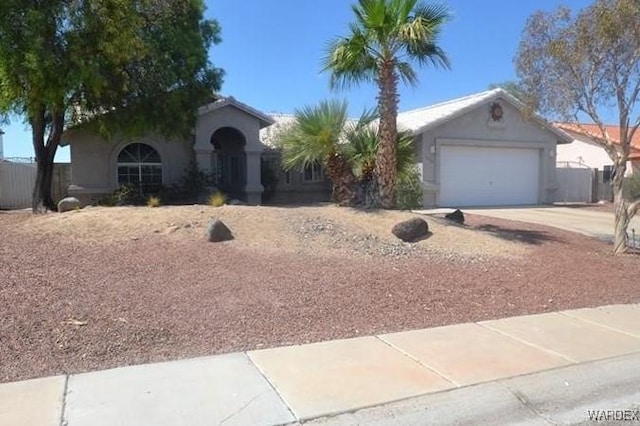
(456,216)
(68,204)
(411,230)
(236,202)
(218,231)
(170,230)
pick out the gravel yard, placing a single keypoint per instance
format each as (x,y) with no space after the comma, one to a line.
(105,287)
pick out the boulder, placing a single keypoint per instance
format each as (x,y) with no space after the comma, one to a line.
(456,216)
(411,230)
(218,231)
(67,204)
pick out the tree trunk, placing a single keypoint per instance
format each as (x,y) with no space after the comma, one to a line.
(386,155)
(622,219)
(368,193)
(343,180)
(42,199)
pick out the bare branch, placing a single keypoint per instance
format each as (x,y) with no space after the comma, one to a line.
(634,128)
(633,208)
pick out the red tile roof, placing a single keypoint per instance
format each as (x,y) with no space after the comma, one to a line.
(593,131)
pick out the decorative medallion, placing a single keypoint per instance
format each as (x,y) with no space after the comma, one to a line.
(495,111)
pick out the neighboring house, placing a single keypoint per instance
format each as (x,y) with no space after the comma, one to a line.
(478,150)
(587,148)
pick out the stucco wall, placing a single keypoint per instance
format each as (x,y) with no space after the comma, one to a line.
(228,116)
(477,129)
(585,152)
(94,162)
(296,190)
(245,123)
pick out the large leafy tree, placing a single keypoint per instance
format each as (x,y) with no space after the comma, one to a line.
(125,66)
(386,40)
(580,66)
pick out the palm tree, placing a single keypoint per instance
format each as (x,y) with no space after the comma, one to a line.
(361,151)
(387,37)
(317,136)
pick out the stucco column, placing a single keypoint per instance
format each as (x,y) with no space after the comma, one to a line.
(549,183)
(254,186)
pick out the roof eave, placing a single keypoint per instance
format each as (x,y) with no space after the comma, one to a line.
(564,138)
(264,119)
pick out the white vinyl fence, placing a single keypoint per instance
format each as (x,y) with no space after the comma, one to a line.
(17,179)
(575,184)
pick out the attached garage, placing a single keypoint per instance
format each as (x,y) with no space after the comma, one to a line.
(485,176)
(484,150)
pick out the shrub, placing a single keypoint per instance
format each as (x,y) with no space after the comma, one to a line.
(128,195)
(631,187)
(269,178)
(217,199)
(409,189)
(172,194)
(194,182)
(123,196)
(107,201)
(153,201)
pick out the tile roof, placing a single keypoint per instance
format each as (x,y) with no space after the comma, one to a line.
(422,119)
(594,132)
(269,134)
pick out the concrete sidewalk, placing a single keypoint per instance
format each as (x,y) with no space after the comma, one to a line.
(300,383)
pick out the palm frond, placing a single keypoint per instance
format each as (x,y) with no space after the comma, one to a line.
(349,61)
(367,117)
(363,143)
(371,14)
(314,135)
(407,74)
(405,152)
(429,54)
(404,9)
(399,30)
(436,13)
(362,148)
(420,34)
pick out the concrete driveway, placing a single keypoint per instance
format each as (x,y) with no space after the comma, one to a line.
(582,220)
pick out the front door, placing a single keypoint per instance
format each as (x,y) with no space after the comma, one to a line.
(229,172)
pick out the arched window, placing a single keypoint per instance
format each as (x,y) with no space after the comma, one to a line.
(140,165)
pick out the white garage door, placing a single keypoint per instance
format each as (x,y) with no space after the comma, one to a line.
(478,176)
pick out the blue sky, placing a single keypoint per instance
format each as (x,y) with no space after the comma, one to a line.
(272,49)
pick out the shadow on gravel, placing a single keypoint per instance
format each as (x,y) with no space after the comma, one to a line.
(588,206)
(424,237)
(524,236)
